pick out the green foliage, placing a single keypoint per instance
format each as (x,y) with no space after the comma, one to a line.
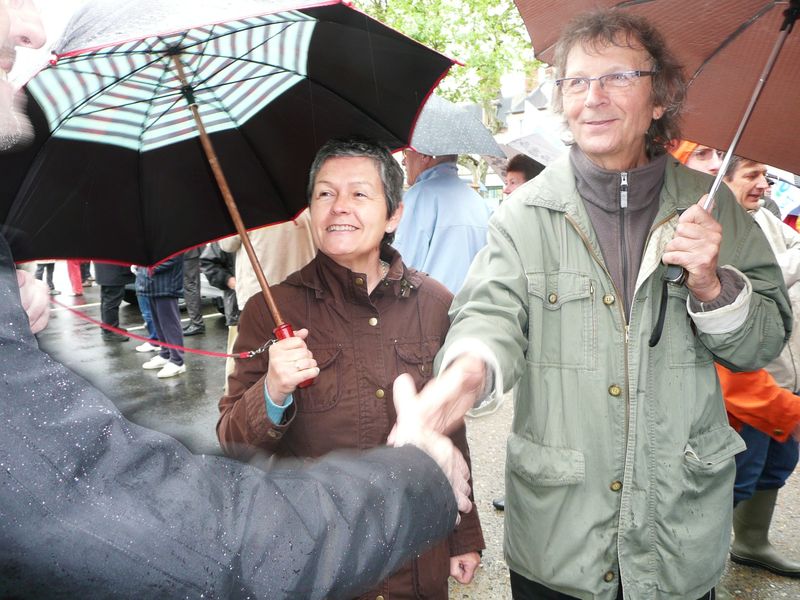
(487,35)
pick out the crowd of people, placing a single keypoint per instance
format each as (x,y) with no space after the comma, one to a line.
(630,456)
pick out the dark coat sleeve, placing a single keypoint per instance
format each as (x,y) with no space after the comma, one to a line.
(92,505)
(217,266)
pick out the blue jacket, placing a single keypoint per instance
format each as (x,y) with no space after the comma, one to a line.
(163,280)
(444,225)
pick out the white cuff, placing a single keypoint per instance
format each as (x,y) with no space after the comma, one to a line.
(493,398)
(726,318)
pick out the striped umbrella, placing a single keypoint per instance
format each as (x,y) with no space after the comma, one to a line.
(144,140)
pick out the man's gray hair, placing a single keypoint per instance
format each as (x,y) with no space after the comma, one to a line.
(622,29)
(390,172)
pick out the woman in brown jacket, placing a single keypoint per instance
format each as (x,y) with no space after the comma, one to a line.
(364,318)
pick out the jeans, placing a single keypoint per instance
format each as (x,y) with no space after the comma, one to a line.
(147,315)
(765,465)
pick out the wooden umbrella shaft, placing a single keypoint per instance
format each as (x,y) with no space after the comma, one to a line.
(227,196)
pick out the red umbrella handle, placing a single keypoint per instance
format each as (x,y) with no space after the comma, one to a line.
(283,332)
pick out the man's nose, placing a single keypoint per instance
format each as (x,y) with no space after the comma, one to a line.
(27,30)
(596,94)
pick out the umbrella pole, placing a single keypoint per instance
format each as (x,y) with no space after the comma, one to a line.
(230,203)
(791,14)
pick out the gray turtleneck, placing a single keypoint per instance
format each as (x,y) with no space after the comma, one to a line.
(621,220)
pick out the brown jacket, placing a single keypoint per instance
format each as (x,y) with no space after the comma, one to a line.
(361,343)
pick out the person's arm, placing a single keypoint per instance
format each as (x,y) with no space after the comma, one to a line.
(747,333)
(485,346)
(755,398)
(214,267)
(94,505)
(259,408)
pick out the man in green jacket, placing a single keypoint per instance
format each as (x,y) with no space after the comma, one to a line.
(620,461)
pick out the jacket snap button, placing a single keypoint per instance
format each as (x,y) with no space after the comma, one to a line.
(380,393)
(359,281)
(609,576)
(378,597)
(616,486)
(608,299)
(778,432)
(552,298)
(373,321)
(615,390)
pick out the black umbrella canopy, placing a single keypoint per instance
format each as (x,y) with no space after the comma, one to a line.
(116,171)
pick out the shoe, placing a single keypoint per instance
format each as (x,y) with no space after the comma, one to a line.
(87,283)
(499,503)
(171,370)
(147,347)
(111,336)
(194,330)
(155,363)
(76,294)
(54,292)
(751,546)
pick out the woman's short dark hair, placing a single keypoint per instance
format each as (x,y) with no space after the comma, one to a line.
(617,28)
(390,172)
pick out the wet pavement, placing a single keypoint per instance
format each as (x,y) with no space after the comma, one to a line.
(186,408)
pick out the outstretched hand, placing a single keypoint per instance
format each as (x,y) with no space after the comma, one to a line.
(451,395)
(35,300)
(411,429)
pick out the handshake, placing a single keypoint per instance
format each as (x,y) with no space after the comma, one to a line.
(424,418)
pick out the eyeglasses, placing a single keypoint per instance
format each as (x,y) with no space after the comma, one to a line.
(574,86)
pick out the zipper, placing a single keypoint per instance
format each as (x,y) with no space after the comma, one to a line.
(623,204)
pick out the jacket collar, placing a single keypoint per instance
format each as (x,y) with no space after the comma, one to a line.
(442,169)
(557,191)
(327,278)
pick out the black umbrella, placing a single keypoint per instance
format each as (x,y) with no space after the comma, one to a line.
(123,170)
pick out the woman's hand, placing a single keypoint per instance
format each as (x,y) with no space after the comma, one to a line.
(290,363)
(462,568)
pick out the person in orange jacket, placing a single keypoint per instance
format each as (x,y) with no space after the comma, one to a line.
(765,412)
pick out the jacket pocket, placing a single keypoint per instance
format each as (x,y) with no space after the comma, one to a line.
(324,393)
(562,322)
(685,350)
(546,466)
(416,358)
(709,452)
